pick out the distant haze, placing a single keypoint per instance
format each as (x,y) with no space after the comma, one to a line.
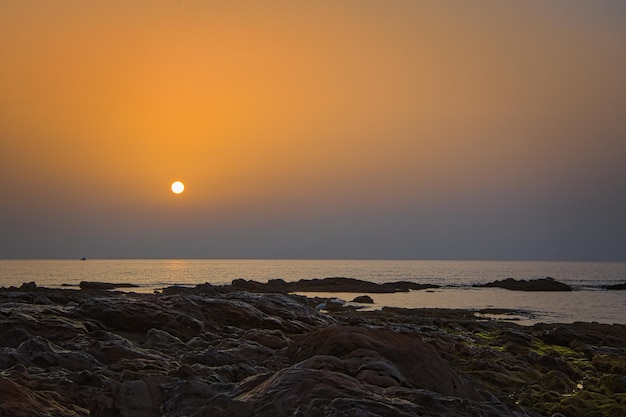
(352,129)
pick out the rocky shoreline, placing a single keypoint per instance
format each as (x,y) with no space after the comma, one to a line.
(243,351)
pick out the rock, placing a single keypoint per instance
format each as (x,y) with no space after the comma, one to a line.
(216,351)
(417,364)
(28,286)
(273,339)
(336,284)
(558,381)
(561,335)
(138,399)
(162,340)
(94,285)
(365,299)
(541,284)
(616,287)
(196,398)
(20,401)
(38,351)
(310,392)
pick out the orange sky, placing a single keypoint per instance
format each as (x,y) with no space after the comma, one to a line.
(295,117)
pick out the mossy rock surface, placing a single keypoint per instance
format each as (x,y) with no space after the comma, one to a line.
(591,404)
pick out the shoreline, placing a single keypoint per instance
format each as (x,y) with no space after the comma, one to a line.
(528,301)
(208,351)
(536,301)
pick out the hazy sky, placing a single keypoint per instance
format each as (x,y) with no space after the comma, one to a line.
(326,129)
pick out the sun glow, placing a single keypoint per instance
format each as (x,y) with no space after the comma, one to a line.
(178,187)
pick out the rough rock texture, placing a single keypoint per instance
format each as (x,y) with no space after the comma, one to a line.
(212,352)
(541,284)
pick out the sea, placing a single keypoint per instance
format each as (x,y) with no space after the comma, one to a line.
(588,302)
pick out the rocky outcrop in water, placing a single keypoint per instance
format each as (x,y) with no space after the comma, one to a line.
(337,284)
(363,299)
(616,287)
(207,352)
(95,285)
(541,284)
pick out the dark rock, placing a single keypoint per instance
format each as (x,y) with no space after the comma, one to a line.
(94,285)
(418,363)
(365,299)
(336,284)
(541,284)
(561,335)
(28,286)
(205,289)
(557,381)
(220,351)
(138,399)
(21,401)
(273,339)
(616,287)
(40,352)
(162,340)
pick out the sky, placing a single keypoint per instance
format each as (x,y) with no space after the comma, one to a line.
(329,129)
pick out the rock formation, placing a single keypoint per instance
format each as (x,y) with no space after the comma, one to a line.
(207,351)
(541,284)
(337,284)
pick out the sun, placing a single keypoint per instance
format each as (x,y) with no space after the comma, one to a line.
(178,187)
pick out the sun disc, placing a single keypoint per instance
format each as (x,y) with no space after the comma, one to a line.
(178,187)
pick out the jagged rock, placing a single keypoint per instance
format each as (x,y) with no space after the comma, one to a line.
(162,340)
(212,351)
(138,399)
(38,351)
(416,364)
(17,400)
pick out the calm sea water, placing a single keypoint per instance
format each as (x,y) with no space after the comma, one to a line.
(589,301)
